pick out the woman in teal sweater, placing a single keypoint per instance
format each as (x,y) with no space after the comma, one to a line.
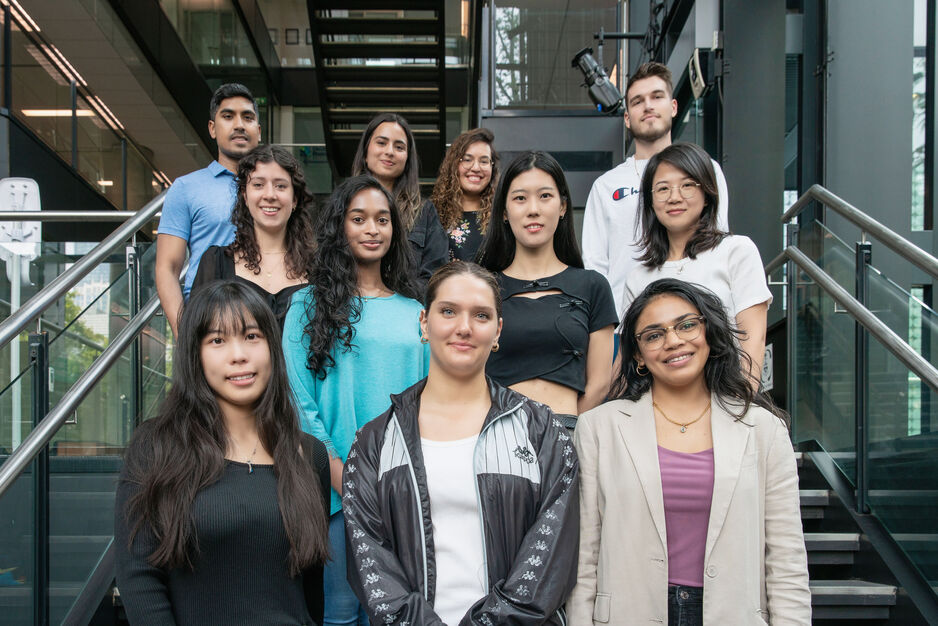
(351,339)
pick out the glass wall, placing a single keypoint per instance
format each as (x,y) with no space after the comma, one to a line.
(533,46)
(53,101)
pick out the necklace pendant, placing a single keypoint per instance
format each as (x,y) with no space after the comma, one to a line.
(250,468)
(683,429)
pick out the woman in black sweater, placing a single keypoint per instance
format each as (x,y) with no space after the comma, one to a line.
(220,515)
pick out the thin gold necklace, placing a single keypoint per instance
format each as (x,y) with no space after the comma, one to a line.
(683,426)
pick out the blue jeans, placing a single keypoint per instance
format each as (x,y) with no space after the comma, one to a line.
(342,607)
(685,606)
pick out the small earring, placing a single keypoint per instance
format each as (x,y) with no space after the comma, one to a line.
(423,339)
(495,347)
(638,370)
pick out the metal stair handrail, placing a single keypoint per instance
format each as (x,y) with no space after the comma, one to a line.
(893,240)
(18,321)
(876,327)
(43,432)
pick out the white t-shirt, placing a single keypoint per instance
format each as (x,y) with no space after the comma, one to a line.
(611,228)
(732,270)
(457,527)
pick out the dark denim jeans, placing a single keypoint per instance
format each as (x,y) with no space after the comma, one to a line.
(685,606)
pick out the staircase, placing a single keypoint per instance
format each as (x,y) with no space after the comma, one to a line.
(376,56)
(838,592)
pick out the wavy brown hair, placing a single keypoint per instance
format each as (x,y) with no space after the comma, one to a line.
(300,240)
(447,194)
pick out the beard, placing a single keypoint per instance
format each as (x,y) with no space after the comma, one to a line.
(652,134)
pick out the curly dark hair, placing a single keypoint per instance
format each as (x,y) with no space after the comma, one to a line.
(406,190)
(695,162)
(727,367)
(498,248)
(447,193)
(299,239)
(333,305)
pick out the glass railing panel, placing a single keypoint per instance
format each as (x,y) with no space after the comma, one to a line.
(830,253)
(824,400)
(903,457)
(80,326)
(16,398)
(17,552)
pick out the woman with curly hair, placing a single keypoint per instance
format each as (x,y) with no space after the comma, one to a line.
(274,240)
(388,152)
(464,190)
(351,339)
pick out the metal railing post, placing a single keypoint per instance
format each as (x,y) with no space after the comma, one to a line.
(791,313)
(861,389)
(39,359)
(136,352)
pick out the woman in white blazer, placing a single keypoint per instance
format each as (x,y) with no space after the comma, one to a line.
(689,509)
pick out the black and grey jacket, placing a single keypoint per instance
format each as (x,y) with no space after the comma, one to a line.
(527,486)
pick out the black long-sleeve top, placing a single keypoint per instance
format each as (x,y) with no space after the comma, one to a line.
(240,570)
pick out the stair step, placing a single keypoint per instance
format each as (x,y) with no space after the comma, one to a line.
(365,95)
(831,548)
(814,497)
(414,115)
(851,599)
(378,26)
(360,75)
(379,5)
(380,50)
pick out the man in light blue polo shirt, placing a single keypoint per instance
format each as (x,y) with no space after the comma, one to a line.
(197,208)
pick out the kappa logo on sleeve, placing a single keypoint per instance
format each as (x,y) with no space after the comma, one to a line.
(624,192)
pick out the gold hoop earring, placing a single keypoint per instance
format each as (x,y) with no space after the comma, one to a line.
(495,347)
(638,370)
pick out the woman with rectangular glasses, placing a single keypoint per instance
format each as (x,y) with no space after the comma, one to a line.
(689,506)
(680,239)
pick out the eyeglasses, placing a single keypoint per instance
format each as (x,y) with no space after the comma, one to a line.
(687,329)
(468,161)
(687,190)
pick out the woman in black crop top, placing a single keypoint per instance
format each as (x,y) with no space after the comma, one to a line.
(556,342)
(274,242)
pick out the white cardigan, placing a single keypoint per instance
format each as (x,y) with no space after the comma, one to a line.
(755,564)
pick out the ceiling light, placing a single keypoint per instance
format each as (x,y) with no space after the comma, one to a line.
(57,113)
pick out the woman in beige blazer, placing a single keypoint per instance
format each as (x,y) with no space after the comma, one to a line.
(687,456)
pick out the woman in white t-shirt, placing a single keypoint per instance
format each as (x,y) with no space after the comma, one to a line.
(681,239)
(461,500)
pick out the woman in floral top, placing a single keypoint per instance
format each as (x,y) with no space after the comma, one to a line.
(464,189)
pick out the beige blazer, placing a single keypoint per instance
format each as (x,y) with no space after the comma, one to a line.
(755,565)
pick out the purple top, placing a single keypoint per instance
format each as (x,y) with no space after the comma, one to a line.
(687,486)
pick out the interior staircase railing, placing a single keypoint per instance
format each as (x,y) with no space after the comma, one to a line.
(885,463)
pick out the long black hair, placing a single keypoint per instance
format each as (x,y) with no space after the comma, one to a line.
(182,451)
(299,237)
(333,306)
(726,367)
(498,248)
(406,190)
(695,162)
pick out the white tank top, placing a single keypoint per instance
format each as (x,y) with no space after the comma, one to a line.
(457,527)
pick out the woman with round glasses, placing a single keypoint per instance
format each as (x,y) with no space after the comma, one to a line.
(680,239)
(689,504)
(464,190)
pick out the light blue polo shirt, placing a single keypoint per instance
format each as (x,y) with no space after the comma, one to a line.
(198,208)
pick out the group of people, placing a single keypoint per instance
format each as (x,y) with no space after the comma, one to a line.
(393,410)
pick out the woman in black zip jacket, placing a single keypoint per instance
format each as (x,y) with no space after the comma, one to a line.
(461,500)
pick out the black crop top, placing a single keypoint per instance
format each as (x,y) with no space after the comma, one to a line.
(547,337)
